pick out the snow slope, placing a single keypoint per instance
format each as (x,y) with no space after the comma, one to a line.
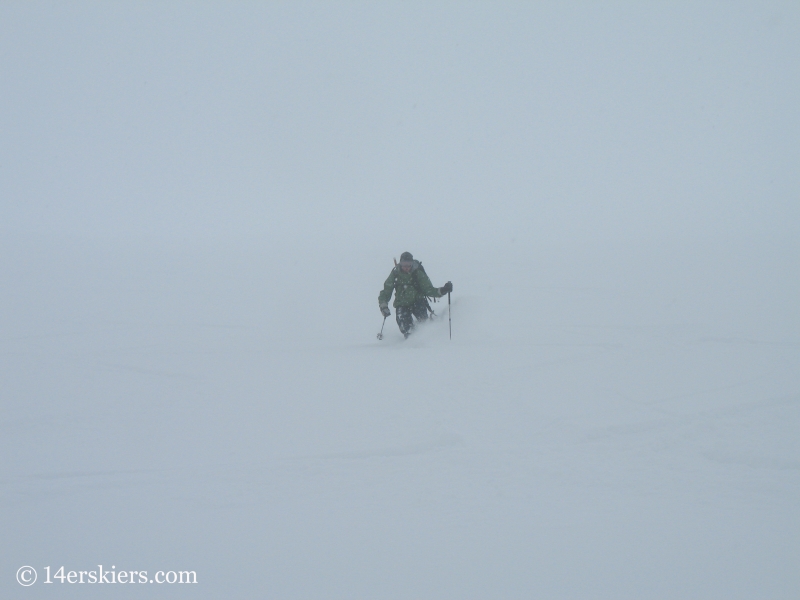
(199,204)
(591,431)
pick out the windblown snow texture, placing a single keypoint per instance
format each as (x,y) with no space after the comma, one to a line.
(200,205)
(604,428)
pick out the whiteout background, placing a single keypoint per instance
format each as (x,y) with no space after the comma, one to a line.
(199,204)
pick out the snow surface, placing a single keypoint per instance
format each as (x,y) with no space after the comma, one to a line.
(199,210)
(595,428)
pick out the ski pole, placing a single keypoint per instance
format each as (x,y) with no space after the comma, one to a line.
(380,335)
(449,321)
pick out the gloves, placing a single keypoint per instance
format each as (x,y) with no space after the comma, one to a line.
(446,288)
(385,310)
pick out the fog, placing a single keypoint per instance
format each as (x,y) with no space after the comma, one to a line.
(199,204)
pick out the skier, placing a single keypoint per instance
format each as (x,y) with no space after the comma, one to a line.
(412,289)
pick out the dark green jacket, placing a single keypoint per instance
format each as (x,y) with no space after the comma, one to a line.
(409,287)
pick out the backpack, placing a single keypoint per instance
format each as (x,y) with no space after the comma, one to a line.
(414,282)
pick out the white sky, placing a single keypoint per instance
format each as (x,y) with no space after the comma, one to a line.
(543,120)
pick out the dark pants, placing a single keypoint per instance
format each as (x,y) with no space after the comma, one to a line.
(404,315)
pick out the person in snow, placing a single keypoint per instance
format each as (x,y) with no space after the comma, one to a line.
(412,289)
